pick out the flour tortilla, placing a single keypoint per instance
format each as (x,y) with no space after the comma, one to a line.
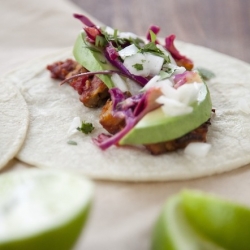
(53,107)
(13,121)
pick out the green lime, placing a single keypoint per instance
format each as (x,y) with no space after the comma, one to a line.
(174,232)
(225,222)
(42,209)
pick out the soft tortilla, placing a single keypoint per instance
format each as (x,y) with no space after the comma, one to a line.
(53,107)
(13,121)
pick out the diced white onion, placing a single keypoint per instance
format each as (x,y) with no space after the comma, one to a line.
(156,82)
(197,149)
(244,106)
(176,69)
(109,30)
(188,93)
(151,64)
(173,107)
(125,35)
(154,63)
(128,35)
(131,61)
(169,91)
(128,51)
(119,82)
(74,125)
(133,87)
(151,83)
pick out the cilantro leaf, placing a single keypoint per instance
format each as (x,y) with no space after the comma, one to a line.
(100,41)
(72,142)
(86,128)
(152,36)
(153,49)
(90,46)
(138,66)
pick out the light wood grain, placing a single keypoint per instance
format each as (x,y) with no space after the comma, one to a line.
(223,25)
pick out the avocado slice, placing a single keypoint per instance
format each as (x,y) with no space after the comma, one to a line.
(92,58)
(156,126)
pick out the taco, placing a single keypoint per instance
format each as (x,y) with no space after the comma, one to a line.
(53,109)
(171,107)
(13,121)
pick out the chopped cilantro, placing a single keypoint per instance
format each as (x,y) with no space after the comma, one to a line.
(138,66)
(205,74)
(153,49)
(100,41)
(90,47)
(137,42)
(152,36)
(86,128)
(116,36)
(120,42)
(72,142)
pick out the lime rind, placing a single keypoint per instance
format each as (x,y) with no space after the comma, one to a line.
(174,232)
(62,201)
(62,237)
(224,222)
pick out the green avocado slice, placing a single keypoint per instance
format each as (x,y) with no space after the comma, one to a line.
(92,58)
(157,127)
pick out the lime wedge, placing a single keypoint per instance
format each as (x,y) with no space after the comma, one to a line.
(42,209)
(225,222)
(174,232)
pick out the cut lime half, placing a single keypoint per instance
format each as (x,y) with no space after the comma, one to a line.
(225,222)
(174,232)
(193,220)
(42,209)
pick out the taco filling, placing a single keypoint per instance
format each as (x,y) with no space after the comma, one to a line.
(149,93)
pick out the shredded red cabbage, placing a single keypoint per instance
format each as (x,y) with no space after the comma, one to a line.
(85,20)
(85,74)
(117,96)
(91,29)
(138,106)
(112,52)
(142,81)
(180,59)
(182,78)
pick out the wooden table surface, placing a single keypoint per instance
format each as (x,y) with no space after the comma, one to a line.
(223,25)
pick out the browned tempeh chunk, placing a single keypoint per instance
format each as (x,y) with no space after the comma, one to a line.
(111,123)
(93,92)
(59,70)
(197,135)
